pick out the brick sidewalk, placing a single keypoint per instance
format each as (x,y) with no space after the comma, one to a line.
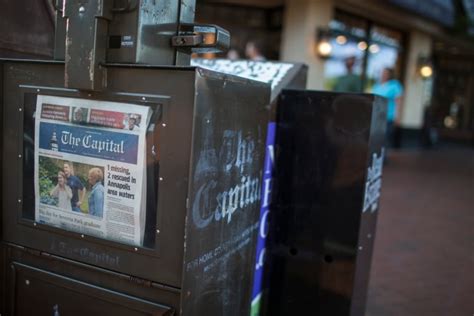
(423,261)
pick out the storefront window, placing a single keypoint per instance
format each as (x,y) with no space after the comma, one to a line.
(360,51)
(344,52)
(383,52)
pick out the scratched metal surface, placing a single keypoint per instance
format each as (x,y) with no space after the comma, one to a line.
(86,41)
(230,124)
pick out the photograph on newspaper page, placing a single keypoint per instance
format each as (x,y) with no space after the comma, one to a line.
(90,167)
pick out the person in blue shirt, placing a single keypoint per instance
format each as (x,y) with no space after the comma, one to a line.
(96,197)
(392,89)
(77,188)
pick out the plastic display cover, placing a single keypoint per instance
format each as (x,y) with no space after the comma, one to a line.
(89,167)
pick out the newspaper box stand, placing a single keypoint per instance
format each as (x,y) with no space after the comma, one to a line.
(204,149)
(322,179)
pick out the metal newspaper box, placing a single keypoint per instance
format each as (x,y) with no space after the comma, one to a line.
(327,172)
(321,184)
(112,114)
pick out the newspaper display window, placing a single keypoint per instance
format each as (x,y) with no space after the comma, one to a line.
(89,169)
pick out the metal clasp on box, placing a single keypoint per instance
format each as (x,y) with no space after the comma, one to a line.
(201,38)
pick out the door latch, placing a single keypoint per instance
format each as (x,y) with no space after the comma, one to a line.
(201,38)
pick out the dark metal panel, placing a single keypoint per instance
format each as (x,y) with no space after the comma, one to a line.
(60,294)
(371,208)
(298,80)
(59,31)
(18,38)
(319,242)
(230,120)
(145,33)
(116,282)
(124,28)
(2,262)
(157,24)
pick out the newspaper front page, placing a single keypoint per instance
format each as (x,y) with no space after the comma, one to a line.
(90,174)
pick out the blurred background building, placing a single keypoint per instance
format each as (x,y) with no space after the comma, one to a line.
(429,44)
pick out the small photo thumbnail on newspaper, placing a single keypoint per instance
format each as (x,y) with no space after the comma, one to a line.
(71,186)
(79,115)
(132,121)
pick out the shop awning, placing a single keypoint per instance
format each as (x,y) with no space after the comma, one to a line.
(469,7)
(441,11)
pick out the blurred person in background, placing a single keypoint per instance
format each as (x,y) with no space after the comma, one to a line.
(392,89)
(349,82)
(233,54)
(253,51)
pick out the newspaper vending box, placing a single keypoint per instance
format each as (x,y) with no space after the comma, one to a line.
(321,181)
(131,181)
